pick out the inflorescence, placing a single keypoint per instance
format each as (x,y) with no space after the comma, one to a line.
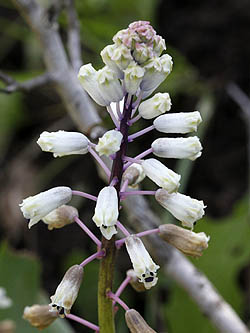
(134,68)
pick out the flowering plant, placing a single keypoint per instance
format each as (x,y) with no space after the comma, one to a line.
(134,68)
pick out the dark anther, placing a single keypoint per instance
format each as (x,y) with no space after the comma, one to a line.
(104,226)
(58,307)
(53,305)
(61,312)
(149,279)
(195,223)
(143,275)
(151,273)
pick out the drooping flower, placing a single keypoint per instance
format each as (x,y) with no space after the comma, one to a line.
(39,316)
(63,143)
(109,143)
(188,242)
(184,208)
(60,217)
(38,206)
(143,265)
(177,147)
(154,106)
(182,122)
(136,323)
(67,291)
(106,211)
(161,175)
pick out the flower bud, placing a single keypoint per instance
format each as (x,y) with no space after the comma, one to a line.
(106,211)
(40,205)
(63,143)
(182,122)
(142,53)
(122,57)
(88,79)
(136,322)
(188,242)
(60,217)
(157,69)
(67,291)
(182,207)
(106,55)
(39,316)
(154,106)
(159,45)
(109,143)
(134,282)
(5,301)
(133,76)
(134,174)
(177,147)
(143,265)
(161,175)
(109,85)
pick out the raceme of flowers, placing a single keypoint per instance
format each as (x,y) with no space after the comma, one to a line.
(134,68)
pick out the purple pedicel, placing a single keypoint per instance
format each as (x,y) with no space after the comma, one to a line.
(83,322)
(122,228)
(88,232)
(100,161)
(118,300)
(139,133)
(122,287)
(84,195)
(98,254)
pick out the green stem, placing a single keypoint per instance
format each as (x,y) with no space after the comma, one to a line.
(106,272)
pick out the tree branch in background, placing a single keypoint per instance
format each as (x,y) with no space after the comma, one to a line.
(66,83)
(74,42)
(12,85)
(178,267)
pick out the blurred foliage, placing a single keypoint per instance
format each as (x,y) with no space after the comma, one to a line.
(228,253)
(20,276)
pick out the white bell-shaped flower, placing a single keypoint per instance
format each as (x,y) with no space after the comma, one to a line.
(143,265)
(38,206)
(107,54)
(63,143)
(122,56)
(184,208)
(60,217)
(106,211)
(88,79)
(188,242)
(109,143)
(182,122)
(161,175)
(157,69)
(177,147)
(67,291)
(39,316)
(109,85)
(159,45)
(133,76)
(134,174)
(154,106)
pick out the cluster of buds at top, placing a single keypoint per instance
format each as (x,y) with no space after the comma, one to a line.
(134,68)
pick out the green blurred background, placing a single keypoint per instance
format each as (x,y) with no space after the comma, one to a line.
(209,43)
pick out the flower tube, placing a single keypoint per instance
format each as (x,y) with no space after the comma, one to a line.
(177,147)
(38,206)
(63,143)
(143,265)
